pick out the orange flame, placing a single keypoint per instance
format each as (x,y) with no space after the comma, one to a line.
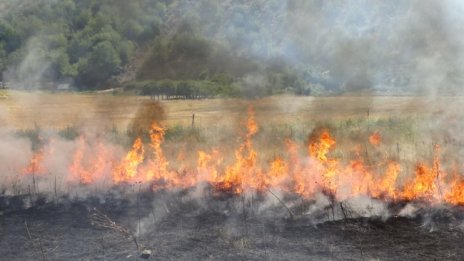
(157,167)
(319,150)
(288,171)
(35,166)
(455,195)
(208,166)
(242,173)
(86,166)
(127,170)
(386,186)
(375,138)
(426,183)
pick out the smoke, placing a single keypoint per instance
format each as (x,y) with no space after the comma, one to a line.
(400,47)
(29,73)
(357,47)
(408,211)
(6,6)
(147,113)
(16,153)
(368,207)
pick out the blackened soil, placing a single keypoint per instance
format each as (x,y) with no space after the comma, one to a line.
(177,227)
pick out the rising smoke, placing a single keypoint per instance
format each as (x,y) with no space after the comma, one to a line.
(388,47)
(360,47)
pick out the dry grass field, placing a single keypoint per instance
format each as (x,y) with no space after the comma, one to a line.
(25,110)
(415,123)
(351,118)
(201,224)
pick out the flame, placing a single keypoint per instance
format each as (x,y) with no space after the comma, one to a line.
(426,183)
(319,149)
(242,173)
(455,195)
(157,167)
(208,166)
(127,170)
(329,167)
(288,170)
(295,171)
(386,186)
(278,170)
(375,138)
(88,164)
(35,166)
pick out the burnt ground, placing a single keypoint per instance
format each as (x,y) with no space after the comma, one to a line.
(178,227)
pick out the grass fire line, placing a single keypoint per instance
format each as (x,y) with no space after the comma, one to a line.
(288,173)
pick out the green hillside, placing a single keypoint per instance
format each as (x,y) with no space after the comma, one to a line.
(186,49)
(100,44)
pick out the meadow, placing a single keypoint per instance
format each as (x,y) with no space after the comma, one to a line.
(351,119)
(58,110)
(406,124)
(59,207)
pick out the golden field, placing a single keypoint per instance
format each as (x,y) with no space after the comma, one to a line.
(21,110)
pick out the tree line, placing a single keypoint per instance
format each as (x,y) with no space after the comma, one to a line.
(87,41)
(90,42)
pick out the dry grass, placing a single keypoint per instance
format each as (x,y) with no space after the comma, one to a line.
(220,121)
(25,110)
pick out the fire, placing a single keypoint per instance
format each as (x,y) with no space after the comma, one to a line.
(127,170)
(288,171)
(137,167)
(319,150)
(207,166)
(157,167)
(387,184)
(35,169)
(242,173)
(35,166)
(278,170)
(456,194)
(89,163)
(295,172)
(426,183)
(375,138)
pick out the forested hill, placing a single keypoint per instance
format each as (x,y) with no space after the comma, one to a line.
(231,48)
(142,44)
(87,41)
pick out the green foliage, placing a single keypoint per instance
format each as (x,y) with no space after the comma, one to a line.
(103,62)
(169,89)
(196,49)
(88,40)
(69,133)
(189,46)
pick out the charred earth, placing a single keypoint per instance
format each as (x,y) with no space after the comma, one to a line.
(132,223)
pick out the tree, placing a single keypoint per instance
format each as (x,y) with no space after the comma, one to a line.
(9,37)
(2,59)
(103,62)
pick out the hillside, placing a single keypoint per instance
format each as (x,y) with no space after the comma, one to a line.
(183,48)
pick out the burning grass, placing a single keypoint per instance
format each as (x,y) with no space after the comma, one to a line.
(361,165)
(268,189)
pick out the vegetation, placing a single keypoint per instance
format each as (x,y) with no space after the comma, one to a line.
(88,41)
(92,44)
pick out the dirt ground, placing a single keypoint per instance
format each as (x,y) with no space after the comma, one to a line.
(182,228)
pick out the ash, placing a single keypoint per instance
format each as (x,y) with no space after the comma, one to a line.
(178,225)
